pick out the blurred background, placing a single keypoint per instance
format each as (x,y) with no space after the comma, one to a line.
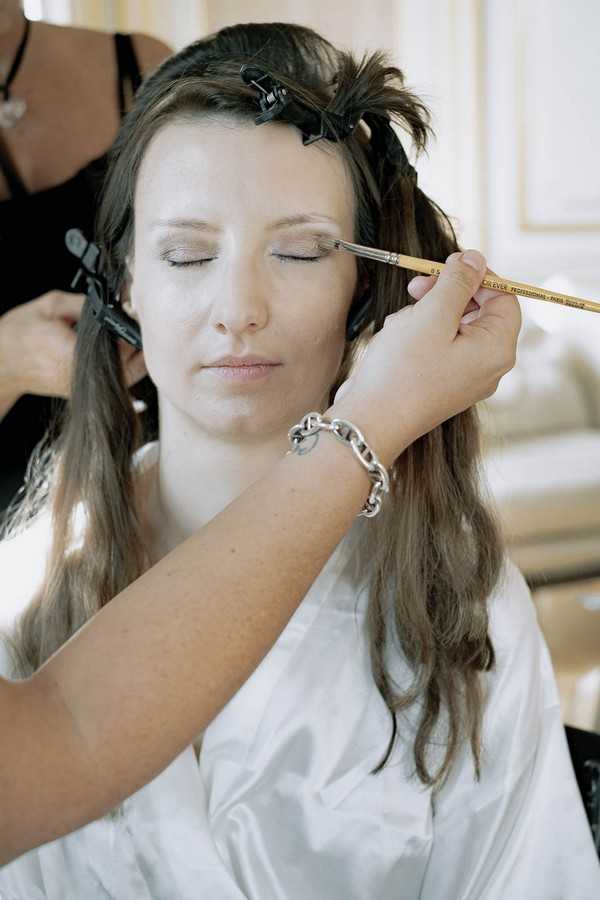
(512,87)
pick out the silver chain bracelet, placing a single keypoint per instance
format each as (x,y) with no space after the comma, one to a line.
(347,433)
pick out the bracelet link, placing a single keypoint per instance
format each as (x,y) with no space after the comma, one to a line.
(347,433)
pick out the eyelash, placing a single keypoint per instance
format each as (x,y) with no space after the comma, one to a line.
(199,262)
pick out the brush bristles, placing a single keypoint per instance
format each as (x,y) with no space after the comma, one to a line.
(329,244)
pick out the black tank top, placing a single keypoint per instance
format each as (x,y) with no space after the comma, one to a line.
(35,260)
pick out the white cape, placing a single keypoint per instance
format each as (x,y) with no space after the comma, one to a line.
(280,804)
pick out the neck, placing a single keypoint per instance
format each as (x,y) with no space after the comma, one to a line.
(199,473)
(207,477)
(11,31)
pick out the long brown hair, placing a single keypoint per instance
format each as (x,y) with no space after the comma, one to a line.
(434,554)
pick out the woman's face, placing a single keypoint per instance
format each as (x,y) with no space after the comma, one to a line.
(214,272)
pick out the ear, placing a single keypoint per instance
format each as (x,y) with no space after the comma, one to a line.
(125,292)
(129,308)
(126,302)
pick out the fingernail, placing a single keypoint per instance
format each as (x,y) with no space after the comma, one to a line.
(474,259)
(470,317)
(412,281)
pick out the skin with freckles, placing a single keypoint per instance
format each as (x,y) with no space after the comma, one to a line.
(237,286)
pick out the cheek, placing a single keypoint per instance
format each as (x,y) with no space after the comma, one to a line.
(165,312)
(319,342)
(319,306)
(168,334)
(324,325)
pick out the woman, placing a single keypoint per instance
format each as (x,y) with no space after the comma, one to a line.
(291,786)
(49,722)
(67,94)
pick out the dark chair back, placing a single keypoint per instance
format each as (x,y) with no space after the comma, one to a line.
(584,747)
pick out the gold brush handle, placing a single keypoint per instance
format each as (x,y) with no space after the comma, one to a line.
(495,283)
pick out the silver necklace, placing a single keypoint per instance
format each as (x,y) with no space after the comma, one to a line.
(12,108)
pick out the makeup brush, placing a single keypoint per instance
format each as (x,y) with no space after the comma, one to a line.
(429,267)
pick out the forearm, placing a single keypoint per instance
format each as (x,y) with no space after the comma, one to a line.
(9,393)
(134,687)
(7,401)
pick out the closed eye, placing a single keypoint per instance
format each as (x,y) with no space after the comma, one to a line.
(200,262)
(298,258)
(182,263)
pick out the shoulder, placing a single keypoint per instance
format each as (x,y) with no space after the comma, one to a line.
(98,47)
(22,567)
(150,52)
(511,608)
(521,711)
(520,649)
(522,704)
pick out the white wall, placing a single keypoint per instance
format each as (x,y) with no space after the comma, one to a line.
(543,143)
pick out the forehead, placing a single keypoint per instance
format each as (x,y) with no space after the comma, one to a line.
(240,171)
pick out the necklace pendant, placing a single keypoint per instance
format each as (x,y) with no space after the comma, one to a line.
(11,111)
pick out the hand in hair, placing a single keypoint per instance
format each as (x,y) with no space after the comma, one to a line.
(37,345)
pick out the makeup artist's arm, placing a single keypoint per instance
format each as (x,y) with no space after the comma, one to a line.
(138,682)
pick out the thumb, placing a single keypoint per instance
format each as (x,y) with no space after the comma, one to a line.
(456,284)
(65,305)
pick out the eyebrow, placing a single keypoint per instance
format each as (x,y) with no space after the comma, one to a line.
(286,222)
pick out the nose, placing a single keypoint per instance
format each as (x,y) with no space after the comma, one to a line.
(240,303)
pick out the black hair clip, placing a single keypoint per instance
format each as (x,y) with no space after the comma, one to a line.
(276,102)
(387,145)
(108,314)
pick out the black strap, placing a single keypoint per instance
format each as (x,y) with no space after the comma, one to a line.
(129,72)
(16,185)
(5,87)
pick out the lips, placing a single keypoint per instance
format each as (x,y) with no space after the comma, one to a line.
(241,374)
(241,361)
